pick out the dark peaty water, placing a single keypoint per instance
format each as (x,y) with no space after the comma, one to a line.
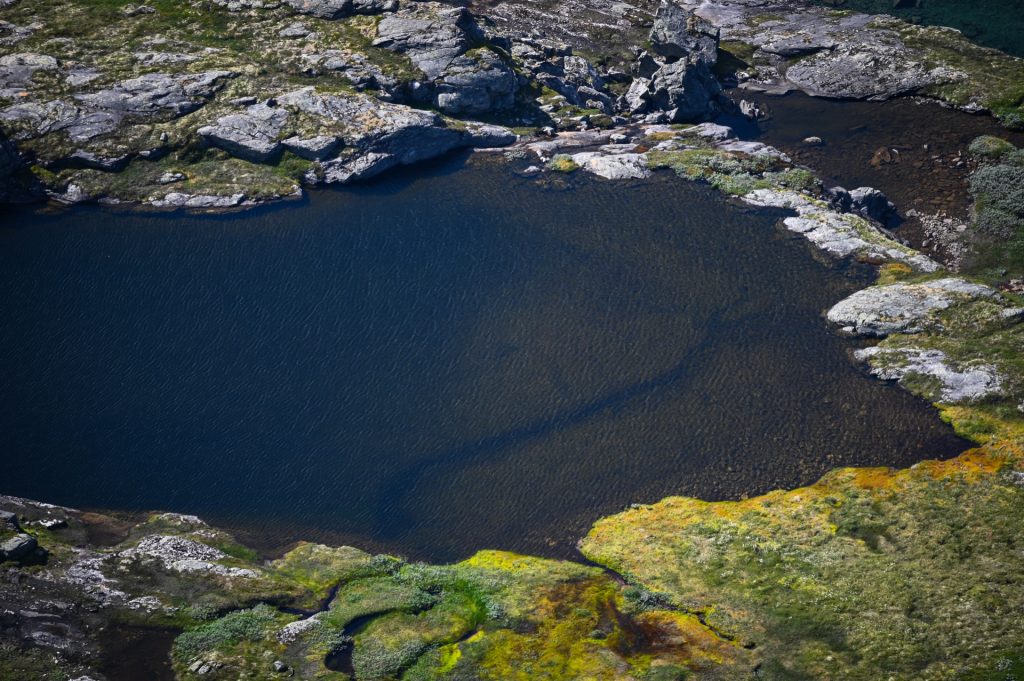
(435,363)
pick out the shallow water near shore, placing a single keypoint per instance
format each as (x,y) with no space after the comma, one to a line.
(448,359)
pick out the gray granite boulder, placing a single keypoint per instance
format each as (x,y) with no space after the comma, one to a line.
(860,72)
(902,308)
(871,203)
(251,135)
(18,548)
(955,383)
(686,90)
(337,9)
(678,33)
(475,83)
(380,135)
(464,75)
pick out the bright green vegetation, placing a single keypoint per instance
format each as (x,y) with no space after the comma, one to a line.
(563,163)
(494,616)
(734,173)
(993,79)
(869,574)
(997,229)
(993,23)
(243,626)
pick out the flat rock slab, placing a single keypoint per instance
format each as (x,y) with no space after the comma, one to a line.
(902,308)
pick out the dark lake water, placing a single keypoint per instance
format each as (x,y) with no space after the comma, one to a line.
(442,361)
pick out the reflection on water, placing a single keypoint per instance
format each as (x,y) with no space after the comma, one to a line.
(434,363)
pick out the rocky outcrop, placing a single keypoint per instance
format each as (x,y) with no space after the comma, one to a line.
(16,545)
(10,162)
(180,554)
(243,616)
(252,135)
(336,9)
(951,383)
(379,135)
(676,78)
(820,52)
(154,96)
(841,234)
(902,308)
(464,73)
(867,202)
(681,34)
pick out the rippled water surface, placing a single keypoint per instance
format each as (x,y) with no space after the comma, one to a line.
(431,364)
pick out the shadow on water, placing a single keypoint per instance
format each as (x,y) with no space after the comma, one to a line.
(448,359)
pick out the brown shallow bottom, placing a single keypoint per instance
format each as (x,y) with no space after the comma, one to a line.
(924,165)
(135,653)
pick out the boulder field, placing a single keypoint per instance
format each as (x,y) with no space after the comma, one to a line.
(227,103)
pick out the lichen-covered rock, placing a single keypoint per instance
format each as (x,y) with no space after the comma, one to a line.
(933,373)
(336,9)
(618,166)
(447,44)
(17,70)
(251,135)
(841,234)
(900,307)
(379,135)
(678,33)
(181,554)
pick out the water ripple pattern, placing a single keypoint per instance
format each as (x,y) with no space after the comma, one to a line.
(439,362)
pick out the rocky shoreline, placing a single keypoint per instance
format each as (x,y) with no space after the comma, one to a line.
(215,105)
(869,573)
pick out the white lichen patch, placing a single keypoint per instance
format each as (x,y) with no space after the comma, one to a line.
(182,555)
(293,631)
(842,235)
(952,383)
(902,308)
